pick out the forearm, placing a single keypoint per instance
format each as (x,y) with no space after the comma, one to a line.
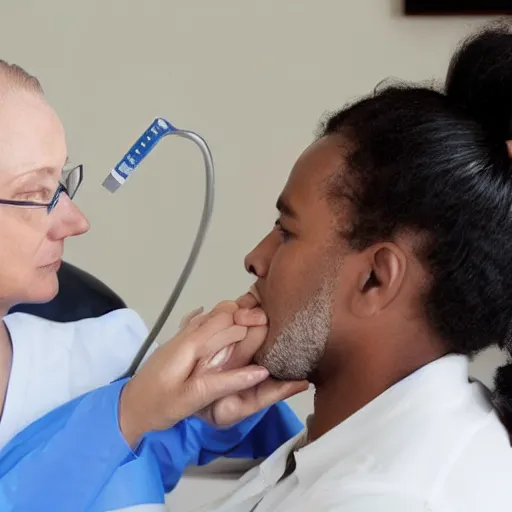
(194,442)
(62,461)
(255,437)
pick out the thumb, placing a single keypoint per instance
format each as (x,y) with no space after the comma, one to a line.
(235,408)
(273,391)
(212,386)
(270,392)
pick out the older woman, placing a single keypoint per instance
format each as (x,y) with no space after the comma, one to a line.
(93,452)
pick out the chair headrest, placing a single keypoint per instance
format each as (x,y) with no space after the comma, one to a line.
(81,295)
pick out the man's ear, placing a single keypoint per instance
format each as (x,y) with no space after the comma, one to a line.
(509,148)
(380,280)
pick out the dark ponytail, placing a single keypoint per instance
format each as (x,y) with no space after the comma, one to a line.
(502,395)
(436,163)
(479,82)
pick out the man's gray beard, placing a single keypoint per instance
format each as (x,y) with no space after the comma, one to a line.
(300,345)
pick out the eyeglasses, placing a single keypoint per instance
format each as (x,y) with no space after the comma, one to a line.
(69,184)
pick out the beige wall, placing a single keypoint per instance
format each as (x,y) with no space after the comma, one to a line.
(253,77)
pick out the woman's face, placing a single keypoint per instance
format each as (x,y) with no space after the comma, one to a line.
(32,155)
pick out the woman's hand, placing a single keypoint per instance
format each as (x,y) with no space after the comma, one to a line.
(235,407)
(173,383)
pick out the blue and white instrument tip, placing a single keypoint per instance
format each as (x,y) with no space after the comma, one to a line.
(158,129)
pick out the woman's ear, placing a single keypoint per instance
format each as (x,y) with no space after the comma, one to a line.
(381,280)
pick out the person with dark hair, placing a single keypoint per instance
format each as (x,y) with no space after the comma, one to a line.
(388,269)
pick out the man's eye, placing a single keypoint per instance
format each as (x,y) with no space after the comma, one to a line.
(284,234)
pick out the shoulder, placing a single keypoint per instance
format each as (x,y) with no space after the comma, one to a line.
(479,476)
(86,354)
(124,322)
(54,362)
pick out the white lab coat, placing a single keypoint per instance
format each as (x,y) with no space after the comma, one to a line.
(431,443)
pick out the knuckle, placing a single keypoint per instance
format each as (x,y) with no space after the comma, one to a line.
(228,306)
(230,335)
(213,324)
(193,324)
(198,320)
(226,411)
(197,391)
(243,316)
(222,319)
(236,332)
(250,317)
(185,321)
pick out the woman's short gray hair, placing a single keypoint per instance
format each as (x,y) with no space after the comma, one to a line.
(15,76)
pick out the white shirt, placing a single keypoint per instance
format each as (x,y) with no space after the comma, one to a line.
(431,443)
(56,362)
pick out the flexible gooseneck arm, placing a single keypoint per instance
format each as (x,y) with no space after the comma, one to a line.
(157,131)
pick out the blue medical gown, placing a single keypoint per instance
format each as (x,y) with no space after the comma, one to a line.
(76,459)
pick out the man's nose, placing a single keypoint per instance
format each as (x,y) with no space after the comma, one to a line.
(258,261)
(68,220)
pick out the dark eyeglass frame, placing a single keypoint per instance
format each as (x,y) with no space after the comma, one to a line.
(55,199)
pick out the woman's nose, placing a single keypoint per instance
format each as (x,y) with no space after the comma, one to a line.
(68,220)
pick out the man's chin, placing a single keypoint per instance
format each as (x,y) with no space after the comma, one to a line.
(277,366)
(265,357)
(261,355)
(283,362)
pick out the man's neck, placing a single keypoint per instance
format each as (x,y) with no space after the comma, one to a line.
(341,393)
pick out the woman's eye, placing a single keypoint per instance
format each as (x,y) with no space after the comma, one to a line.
(41,195)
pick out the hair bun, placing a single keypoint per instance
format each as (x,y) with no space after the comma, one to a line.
(479,79)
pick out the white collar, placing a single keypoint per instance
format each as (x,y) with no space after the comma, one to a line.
(433,385)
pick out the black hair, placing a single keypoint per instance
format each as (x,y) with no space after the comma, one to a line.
(436,162)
